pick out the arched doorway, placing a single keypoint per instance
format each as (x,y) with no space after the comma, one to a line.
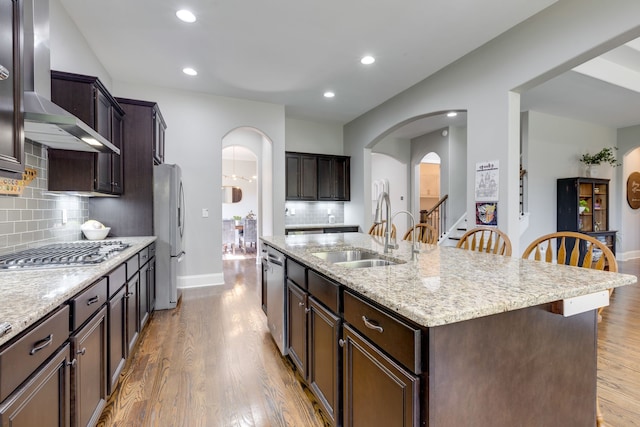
(246,153)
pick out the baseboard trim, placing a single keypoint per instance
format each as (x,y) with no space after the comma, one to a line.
(626,256)
(200,280)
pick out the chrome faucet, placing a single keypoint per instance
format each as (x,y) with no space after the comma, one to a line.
(414,241)
(384,197)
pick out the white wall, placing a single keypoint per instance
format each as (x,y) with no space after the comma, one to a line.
(246,168)
(384,166)
(628,151)
(310,137)
(553,41)
(69,49)
(553,147)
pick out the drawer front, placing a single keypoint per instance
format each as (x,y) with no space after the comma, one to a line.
(117,279)
(144,256)
(399,339)
(88,302)
(132,266)
(24,356)
(296,273)
(324,290)
(152,250)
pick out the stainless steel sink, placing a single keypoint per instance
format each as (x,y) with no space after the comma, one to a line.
(355,258)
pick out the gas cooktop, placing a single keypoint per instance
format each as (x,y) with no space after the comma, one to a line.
(71,254)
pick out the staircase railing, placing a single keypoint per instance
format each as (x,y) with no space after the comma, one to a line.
(436,216)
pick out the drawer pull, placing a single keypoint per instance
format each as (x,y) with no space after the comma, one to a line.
(93,300)
(72,363)
(129,294)
(82,352)
(372,324)
(41,344)
(301,304)
(341,342)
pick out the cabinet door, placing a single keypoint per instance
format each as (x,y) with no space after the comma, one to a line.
(116,337)
(159,128)
(44,400)
(143,295)
(342,177)
(326,179)
(11,87)
(308,178)
(297,326)
(293,163)
(89,376)
(117,129)
(152,284)
(131,308)
(324,358)
(377,391)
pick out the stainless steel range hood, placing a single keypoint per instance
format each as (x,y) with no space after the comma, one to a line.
(44,121)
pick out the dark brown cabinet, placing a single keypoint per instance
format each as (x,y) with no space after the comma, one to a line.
(317,177)
(377,390)
(334,181)
(131,214)
(88,99)
(44,400)
(301,176)
(143,297)
(151,283)
(131,308)
(159,128)
(116,326)
(324,358)
(11,87)
(297,327)
(583,206)
(89,376)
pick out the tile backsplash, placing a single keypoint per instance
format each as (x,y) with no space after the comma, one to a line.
(34,217)
(302,213)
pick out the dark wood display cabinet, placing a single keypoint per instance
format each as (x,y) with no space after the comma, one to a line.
(96,173)
(11,89)
(583,206)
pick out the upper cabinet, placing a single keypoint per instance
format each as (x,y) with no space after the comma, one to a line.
(143,131)
(88,99)
(334,182)
(317,177)
(11,88)
(583,205)
(301,176)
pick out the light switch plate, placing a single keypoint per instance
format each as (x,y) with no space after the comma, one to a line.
(205,213)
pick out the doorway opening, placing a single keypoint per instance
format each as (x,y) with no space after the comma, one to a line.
(429,190)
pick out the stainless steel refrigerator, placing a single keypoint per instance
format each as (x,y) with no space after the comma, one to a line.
(168,223)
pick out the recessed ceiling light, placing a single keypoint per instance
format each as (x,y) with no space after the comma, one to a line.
(368,60)
(452,114)
(186,15)
(329,94)
(190,71)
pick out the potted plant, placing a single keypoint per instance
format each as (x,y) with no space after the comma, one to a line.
(583,206)
(606,155)
(237,218)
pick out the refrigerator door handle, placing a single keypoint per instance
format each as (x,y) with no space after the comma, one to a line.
(179,256)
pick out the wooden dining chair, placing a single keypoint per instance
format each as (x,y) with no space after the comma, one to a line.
(578,250)
(378,229)
(426,233)
(486,239)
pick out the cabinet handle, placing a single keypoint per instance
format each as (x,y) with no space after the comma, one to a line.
(82,352)
(128,294)
(341,342)
(4,73)
(93,300)
(371,324)
(73,363)
(41,344)
(306,310)
(301,304)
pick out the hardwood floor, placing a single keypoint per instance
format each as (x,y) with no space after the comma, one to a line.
(619,354)
(211,362)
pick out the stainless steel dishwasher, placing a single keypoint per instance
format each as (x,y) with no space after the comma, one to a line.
(276,298)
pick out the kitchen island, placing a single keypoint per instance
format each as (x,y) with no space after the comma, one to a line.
(453,338)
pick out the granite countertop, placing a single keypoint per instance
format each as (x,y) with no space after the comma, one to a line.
(447,285)
(29,295)
(324,225)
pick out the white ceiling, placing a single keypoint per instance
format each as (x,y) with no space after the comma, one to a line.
(290,52)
